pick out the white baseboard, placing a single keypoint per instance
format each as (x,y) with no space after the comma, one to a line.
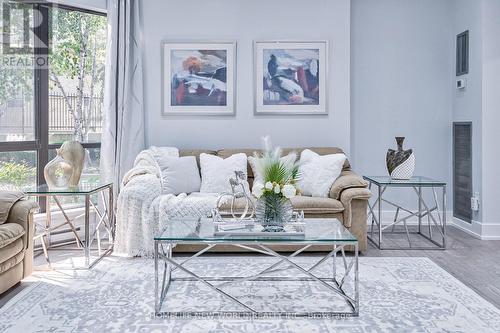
(473,228)
(484,231)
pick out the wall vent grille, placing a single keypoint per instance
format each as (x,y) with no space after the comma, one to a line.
(462,170)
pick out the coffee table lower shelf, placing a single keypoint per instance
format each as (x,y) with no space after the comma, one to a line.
(166,265)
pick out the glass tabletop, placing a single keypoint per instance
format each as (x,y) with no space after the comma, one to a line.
(81,189)
(203,230)
(413,181)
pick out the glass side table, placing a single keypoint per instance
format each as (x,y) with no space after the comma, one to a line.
(432,233)
(104,219)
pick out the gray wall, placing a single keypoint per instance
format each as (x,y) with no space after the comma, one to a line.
(491,116)
(391,73)
(245,21)
(401,54)
(401,68)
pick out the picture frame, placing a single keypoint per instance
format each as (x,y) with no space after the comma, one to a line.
(198,78)
(298,81)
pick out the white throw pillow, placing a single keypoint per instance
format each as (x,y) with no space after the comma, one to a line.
(180,175)
(161,153)
(216,172)
(317,173)
(257,176)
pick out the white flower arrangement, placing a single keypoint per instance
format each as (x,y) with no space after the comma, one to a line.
(280,176)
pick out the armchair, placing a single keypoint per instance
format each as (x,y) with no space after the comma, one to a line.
(16,239)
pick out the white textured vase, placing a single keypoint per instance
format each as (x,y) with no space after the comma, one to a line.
(404,170)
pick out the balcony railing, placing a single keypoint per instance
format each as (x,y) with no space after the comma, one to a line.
(17,117)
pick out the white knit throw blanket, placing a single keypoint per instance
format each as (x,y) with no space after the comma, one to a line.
(142,209)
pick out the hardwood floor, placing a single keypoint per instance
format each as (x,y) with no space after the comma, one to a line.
(474,262)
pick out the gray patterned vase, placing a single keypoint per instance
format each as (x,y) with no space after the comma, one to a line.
(400,163)
(273,211)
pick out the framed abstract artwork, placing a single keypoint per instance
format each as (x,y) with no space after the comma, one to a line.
(198,78)
(290,77)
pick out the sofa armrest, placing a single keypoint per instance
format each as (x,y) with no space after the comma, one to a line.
(22,213)
(347,179)
(140,187)
(347,196)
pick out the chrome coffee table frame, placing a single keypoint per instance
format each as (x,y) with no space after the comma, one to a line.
(335,283)
(435,213)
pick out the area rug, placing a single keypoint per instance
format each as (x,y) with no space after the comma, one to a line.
(397,295)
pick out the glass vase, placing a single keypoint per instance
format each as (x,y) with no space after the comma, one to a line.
(273,211)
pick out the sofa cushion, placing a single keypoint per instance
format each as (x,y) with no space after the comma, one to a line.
(316,205)
(7,200)
(225,153)
(310,205)
(11,262)
(9,251)
(10,277)
(9,232)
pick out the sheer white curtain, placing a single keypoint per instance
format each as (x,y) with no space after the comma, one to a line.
(123,130)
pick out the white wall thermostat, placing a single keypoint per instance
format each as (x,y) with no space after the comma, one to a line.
(461,84)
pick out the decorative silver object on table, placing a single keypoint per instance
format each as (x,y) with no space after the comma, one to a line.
(295,226)
(433,233)
(238,191)
(253,228)
(400,163)
(105,219)
(66,168)
(271,220)
(342,280)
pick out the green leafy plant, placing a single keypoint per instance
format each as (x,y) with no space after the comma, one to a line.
(280,175)
(279,185)
(17,174)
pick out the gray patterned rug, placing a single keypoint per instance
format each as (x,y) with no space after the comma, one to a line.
(397,295)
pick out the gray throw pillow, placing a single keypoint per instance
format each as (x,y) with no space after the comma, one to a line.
(180,175)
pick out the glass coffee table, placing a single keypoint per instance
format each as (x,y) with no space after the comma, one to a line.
(339,282)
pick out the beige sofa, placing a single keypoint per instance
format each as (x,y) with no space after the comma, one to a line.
(347,201)
(16,243)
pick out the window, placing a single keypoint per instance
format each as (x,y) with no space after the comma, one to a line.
(51,88)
